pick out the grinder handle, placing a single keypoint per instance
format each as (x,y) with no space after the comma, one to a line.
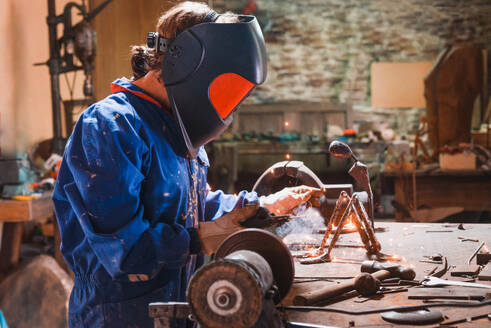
(331,291)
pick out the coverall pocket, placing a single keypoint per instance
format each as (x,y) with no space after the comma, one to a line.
(133,313)
(90,317)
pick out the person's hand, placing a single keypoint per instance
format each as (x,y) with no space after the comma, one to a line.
(284,201)
(212,233)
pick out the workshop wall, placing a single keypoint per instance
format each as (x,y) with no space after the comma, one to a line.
(124,23)
(321,50)
(25,101)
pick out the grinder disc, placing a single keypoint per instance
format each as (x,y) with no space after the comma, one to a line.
(225,294)
(271,248)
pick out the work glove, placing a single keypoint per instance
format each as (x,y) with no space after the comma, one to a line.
(263,219)
(212,233)
(284,201)
(194,242)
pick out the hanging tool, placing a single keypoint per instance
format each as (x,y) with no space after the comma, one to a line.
(429,281)
(78,40)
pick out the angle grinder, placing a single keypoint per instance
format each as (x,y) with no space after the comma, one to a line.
(252,272)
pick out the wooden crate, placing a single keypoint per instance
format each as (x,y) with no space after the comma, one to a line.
(461,162)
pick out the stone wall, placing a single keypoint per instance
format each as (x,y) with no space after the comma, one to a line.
(321,50)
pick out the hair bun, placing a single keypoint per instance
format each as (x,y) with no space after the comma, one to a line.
(138,61)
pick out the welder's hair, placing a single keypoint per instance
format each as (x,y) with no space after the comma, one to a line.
(174,21)
(143,60)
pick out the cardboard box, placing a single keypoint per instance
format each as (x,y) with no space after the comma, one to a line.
(482,138)
(462,162)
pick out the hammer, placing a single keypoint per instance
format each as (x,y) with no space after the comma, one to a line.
(367,283)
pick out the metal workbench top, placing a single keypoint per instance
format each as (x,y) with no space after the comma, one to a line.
(411,242)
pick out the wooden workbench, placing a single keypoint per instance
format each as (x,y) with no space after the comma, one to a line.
(470,190)
(411,241)
(12,215)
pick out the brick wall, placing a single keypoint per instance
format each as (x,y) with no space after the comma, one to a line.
(321,50)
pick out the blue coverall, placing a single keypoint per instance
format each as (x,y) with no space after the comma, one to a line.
(125,194)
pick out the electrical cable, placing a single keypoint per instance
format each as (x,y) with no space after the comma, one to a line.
(392,308)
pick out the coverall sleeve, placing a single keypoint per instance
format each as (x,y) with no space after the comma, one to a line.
(218,203)
(107,159)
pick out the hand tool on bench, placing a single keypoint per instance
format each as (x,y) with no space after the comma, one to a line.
(461,293)
(413,318)
(388,270)
(429,281)
(466,319)
(378,270)
(475,252)
(441,272)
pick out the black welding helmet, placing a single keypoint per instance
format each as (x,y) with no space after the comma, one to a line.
(208,70)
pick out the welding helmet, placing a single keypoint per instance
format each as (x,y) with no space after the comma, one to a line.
(208,70)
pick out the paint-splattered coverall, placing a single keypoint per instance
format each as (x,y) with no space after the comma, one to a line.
(125,194)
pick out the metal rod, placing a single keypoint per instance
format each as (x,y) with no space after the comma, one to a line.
(375,244)
(475,253)
(335,237)
(466,319)
(388,309)
(54,71)
(328,277)
(415,202)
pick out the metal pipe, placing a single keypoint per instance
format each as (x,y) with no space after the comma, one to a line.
(54,71)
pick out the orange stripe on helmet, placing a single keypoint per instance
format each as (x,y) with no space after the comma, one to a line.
(226,91)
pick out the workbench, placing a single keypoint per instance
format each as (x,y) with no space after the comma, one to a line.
(470,190)
(411,242)
(13,213)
